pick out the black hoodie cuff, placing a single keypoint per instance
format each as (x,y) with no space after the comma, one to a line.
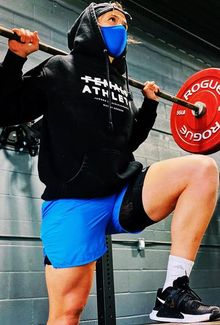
(13,62)
(150,104)
(148,109)
(147,113)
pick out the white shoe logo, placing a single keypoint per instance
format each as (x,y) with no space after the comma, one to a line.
(160,300)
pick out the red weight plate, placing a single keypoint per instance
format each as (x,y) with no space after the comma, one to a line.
(198,134)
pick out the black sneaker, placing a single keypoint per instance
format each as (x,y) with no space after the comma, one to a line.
(180,304)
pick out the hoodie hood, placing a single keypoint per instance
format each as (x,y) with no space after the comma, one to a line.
(102,8)
(85,34)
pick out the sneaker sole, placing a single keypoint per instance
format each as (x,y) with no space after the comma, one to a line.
(186,319)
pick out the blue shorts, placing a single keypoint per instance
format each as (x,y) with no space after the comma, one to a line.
(73,230)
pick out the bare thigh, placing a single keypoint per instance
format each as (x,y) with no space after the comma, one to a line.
(68,289)
(166,180)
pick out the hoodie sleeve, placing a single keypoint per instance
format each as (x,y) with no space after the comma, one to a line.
(22,96)
(143,122)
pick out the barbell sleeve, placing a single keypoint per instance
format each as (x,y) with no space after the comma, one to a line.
(137,84)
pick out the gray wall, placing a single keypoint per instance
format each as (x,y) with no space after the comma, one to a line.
(23,297)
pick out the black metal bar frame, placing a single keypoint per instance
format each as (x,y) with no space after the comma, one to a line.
(105,287)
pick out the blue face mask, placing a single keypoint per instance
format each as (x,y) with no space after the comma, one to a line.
(115,38)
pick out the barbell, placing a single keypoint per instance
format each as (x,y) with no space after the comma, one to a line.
(195,113)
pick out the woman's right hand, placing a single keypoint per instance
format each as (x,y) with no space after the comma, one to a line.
(29,42)
(150,90)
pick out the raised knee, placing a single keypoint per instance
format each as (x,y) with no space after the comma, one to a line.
(206,169)
(208,166)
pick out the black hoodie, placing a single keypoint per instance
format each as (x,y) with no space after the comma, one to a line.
(90,126)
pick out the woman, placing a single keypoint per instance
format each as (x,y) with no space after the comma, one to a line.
(94,186)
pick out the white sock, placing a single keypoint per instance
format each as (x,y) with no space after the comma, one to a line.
(177,267)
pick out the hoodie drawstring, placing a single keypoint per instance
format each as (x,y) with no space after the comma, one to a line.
(130,97)
(110,121)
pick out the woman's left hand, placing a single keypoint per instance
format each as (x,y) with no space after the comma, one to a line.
(150,89)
